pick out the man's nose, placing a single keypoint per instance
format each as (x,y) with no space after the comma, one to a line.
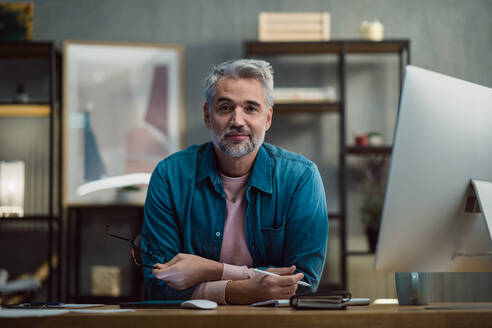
(237,118)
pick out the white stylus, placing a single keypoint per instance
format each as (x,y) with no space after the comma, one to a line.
(302,283)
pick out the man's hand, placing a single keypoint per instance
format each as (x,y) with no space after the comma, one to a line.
(262,287)
(186,270)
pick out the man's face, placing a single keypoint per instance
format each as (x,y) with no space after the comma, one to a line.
(238,117)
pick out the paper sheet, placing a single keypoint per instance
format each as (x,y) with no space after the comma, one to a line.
(26,313)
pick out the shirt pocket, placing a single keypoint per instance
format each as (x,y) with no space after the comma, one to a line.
(273,240)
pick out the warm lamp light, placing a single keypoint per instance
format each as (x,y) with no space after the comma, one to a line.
(11,188)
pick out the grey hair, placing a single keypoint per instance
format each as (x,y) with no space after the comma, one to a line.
(260,70)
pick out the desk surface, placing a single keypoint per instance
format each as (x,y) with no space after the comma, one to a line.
(250,317)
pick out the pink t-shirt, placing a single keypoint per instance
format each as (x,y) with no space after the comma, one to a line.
(234,248)
(234,253)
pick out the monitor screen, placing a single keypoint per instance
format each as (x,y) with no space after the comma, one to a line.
(443,139)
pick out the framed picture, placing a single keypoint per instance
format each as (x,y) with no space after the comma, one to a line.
(16,18)
(123,106)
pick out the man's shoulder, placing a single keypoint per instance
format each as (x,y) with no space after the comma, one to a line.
(183,159)
(286,157)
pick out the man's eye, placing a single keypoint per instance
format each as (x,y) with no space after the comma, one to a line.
(251,109)
(224,108)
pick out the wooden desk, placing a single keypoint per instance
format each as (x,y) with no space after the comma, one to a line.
(249,317)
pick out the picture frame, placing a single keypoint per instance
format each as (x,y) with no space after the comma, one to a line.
(123,113)
(17,20)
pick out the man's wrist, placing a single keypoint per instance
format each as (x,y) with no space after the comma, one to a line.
(237,292)
(214,271)
(231,292)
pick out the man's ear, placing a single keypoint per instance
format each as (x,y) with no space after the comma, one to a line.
(206,116)
(268,122)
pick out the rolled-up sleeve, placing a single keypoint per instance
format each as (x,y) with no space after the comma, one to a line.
(307,227)
(161,227)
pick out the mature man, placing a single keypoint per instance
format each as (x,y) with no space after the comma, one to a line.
(217,210)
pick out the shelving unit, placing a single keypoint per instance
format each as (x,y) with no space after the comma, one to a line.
(341,49)
(47,112)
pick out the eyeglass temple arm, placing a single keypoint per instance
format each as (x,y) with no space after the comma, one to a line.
(115,236)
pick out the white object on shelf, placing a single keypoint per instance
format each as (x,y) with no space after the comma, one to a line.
(12,188)
(372,31)
(375,139)
(294,26)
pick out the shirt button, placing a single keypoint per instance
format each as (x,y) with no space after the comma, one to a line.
(217,234)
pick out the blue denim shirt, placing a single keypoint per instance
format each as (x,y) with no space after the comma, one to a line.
(286,220)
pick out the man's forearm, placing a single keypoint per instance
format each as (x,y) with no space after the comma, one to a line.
(262,288)
(186,270)
(213,271)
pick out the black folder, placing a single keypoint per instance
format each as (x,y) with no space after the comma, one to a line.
(329,300)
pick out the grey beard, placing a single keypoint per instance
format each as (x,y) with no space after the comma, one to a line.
(237,150)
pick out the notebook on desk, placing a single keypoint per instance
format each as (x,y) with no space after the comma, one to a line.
(321,300)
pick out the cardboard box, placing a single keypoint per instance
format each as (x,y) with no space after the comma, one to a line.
(106,280)
(294,26)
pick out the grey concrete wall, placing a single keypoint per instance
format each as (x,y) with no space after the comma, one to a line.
(453,37)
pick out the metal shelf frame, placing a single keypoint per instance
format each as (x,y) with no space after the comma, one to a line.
(43,50)
(342,49)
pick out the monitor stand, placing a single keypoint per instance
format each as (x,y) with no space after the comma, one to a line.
(483,194)
(479,202)
(483,190)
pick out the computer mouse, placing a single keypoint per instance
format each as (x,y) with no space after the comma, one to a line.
(199,304)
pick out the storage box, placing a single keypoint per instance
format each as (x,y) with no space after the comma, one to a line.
(106,280)
(294,26)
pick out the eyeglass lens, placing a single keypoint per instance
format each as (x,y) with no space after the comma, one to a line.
(141,248)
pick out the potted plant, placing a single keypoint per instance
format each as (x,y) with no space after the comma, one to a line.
(370,212)
(369,178)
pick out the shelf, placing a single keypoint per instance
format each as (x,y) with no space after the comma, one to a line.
(25,49)
(325,47)
(22,110)
(335,216)
(311,107)
(359,150)
(359,253)
(25,218)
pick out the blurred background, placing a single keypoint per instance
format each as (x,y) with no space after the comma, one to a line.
(448,36)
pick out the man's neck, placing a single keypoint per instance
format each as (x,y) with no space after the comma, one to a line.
(235,166)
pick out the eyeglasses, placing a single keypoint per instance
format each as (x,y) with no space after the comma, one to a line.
(140,246)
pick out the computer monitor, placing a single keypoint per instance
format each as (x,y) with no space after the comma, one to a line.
(443,139)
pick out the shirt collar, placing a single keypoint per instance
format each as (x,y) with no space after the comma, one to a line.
(261,177)
(207,166)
